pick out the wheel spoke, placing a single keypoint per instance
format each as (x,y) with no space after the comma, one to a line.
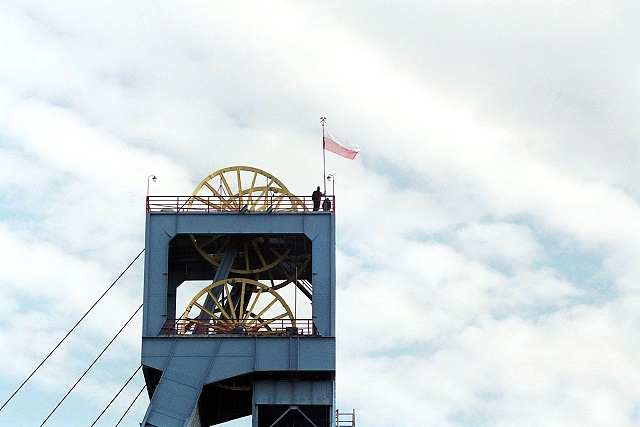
(208,203)
(268,321)
(217,303)
(233,195)
(203,308)
(210,241)
(224,182)
(232,309)
(255,300)
(253,184)
(264,310)
(215,317)
(218,253)
(279,199)
(262,195)
(239,188)
(223,200)
(211,296)
(246,256)
(271,279)
(241,306)
(259,253)
(269,183)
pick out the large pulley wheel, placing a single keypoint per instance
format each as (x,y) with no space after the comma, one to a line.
(236,305)
(254,255)
(243,187)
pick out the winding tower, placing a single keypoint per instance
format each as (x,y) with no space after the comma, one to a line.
(257,335)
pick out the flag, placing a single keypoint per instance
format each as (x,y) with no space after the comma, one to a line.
(333,144)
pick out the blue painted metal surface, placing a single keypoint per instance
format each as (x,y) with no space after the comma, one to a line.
(194,374)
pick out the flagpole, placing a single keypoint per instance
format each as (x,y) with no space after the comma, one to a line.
(324,163)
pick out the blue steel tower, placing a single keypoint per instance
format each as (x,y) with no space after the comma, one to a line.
(240,345)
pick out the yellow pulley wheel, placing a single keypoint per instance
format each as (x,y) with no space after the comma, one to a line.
(243,187)
(254,256)
(236,305)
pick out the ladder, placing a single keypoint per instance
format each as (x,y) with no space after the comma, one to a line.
(345,419)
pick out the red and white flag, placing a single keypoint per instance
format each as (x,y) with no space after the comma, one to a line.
(341,148)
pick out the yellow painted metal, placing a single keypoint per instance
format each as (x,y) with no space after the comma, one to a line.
(237,187)
(302,264)
(228,313)
(234,387)
(250,259)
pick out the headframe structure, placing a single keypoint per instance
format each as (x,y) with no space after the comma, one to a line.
(241,346)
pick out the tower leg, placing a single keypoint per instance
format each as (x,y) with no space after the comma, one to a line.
(175,399)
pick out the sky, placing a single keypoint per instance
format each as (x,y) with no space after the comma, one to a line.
(487,233)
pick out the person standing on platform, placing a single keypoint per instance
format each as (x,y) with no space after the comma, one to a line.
(316,197)
(326,205)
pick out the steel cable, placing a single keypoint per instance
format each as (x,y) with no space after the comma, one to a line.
(69,333)
(116,396)
(90,366)
(134,401)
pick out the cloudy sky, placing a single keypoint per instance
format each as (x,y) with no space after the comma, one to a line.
(488,232)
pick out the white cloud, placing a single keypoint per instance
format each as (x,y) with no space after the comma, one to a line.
(565,369)
(511,243)
(487,232)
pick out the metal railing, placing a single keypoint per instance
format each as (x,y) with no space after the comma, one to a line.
(346,419)
(241,204)
(278,327)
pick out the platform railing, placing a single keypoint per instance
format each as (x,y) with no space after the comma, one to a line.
(278,327)
(240,204)
(346,419)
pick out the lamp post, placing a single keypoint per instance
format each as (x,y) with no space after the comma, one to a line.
(332,178)
(154,178)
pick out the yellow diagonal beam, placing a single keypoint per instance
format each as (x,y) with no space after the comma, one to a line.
(203,308)
(266,322)
(264,310)
(217,303)
(232,309)
(255,300)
